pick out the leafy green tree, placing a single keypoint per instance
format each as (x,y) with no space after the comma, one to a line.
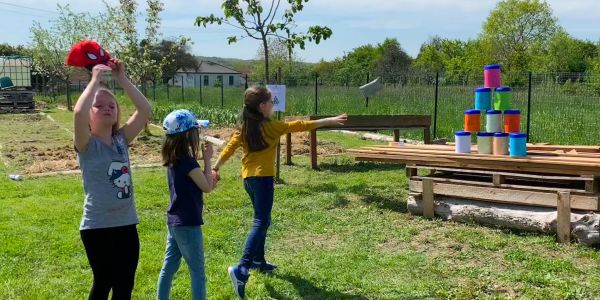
(182,58)
(256,22)
(7,49)
(136,50)
(518,31)
(393,61)
(50,44)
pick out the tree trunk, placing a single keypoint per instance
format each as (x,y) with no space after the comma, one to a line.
(584,226)
(266,48)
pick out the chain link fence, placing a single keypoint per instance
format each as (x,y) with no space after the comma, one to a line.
(557,108)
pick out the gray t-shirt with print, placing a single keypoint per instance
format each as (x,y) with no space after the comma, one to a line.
(107,184)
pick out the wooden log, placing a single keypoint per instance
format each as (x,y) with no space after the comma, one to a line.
(525,218)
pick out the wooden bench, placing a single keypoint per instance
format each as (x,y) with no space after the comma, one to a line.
(366,123)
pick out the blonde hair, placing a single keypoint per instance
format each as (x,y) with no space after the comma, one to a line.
(116,125)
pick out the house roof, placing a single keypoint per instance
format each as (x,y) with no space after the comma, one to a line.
(209,67)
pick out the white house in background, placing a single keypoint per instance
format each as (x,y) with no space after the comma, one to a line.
(208,74)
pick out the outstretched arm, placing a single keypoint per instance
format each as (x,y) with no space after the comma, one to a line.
(81,111)
(140,117)
(299,126)
(234,142)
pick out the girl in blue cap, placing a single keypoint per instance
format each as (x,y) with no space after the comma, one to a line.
(187,183)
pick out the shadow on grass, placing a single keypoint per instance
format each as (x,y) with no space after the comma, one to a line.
(359,167)
(307,290)
(369,195)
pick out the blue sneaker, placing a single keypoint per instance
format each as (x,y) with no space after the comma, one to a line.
(239,281)
(263,266)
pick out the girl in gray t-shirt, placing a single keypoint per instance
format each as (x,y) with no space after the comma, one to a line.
(108,226)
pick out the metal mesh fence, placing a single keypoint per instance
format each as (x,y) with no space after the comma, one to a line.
(563,106)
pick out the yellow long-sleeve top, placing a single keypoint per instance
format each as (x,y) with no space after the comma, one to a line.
(262,163)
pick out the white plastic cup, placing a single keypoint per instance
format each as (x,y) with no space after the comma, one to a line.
(203,123)
(462,141)
(15,177)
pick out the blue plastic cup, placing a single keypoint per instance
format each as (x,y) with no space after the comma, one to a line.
(517,145)
(483,99)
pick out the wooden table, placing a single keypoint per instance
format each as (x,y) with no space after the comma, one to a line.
(366,123)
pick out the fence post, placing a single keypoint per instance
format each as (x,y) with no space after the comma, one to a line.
(529,107)
(246,82)
(316,93)
(168,93)
(200,89)
(182,92)
(69,107)
(154,90)
(367,98)
(435,107)
(222,94)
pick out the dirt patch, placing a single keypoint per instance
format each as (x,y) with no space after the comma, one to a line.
(301,145)
(43,160)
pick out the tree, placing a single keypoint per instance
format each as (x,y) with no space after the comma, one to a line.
(394,60)
(519,30)
(137,51)
(259,23)
(51,44)
(567,54)
(7,50)
(182,58)
(279,59)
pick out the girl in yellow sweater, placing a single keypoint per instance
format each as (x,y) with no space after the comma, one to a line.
(258,137)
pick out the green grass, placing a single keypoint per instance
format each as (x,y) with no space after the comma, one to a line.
(339,233)
(558,115)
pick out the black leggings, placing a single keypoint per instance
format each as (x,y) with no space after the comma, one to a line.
(113,254)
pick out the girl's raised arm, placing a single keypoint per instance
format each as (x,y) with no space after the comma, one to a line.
(140,117)
(81,111)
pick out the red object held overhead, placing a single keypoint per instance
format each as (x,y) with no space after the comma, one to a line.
(87,54)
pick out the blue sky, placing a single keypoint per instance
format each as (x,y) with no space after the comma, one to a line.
(354,22)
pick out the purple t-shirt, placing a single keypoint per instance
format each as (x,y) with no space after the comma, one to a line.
(185,208)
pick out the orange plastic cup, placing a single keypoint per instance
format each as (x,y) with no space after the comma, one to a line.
(472,120)
(512,121)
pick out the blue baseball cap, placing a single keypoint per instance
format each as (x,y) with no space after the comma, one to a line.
(182,120)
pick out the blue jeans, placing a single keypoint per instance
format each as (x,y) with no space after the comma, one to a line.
(260,190)
(183,241)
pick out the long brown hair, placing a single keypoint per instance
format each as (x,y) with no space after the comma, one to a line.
(176,146)
(252,117)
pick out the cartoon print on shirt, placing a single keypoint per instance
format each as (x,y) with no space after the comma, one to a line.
(121,178)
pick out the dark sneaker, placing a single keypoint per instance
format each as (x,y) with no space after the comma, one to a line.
(263,266)
(239,281)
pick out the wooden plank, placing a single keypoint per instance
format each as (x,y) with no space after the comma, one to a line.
(381,121)
(313,149)
(410,172)
(428,198)
(502,195)
(288,149)
(581,150)
(498,179)
(563,218)
(427,135)
(591,185)
(467,182)
(445,162)
(394,150)
(508,174)
(488,160)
